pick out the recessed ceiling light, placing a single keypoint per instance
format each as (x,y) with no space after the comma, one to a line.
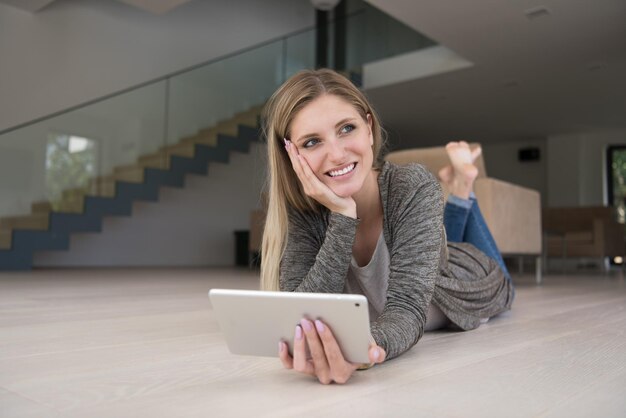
(537,12)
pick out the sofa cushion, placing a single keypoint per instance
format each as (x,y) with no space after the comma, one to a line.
(433,158)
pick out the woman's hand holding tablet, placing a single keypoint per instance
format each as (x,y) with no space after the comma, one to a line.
(326,361)
(324,335)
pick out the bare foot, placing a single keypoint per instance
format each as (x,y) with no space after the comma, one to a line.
(446,174)
(460,176)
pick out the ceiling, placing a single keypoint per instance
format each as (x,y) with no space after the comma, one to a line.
(27,5)
(561,72)
(152,6)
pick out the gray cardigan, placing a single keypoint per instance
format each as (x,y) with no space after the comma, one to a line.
(459,279)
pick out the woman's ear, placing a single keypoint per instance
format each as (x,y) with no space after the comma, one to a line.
(369,124)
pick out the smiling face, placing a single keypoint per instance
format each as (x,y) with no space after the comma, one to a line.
(336,142)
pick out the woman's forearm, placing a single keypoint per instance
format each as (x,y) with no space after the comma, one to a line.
(308,266)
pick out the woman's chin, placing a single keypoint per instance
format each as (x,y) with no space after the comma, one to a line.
(344,192)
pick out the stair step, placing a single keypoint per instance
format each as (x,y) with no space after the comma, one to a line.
(71,204)
(165,177)
(5,239)
(249,134)
(233,143)
(182,149)
(16,260)
(67,223)
(105,206)
(44,206)
(132,173)
(249,117)
(134,191)
(209,136)
(36,221)
(40,240)
(74,193)
(102,186)
(230,127)
(75,205)
(204,137)
(158,160)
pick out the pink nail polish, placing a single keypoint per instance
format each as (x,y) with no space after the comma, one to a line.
(319,325)
(376,354)
(306,324)
(280,346)
(298,332)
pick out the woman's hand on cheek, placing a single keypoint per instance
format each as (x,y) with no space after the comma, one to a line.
(326,363)
(315,189)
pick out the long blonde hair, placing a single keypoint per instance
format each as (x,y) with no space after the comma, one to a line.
(283,187)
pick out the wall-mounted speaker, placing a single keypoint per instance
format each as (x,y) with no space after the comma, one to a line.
(529,154)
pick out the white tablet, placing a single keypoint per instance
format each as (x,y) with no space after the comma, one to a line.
(253,322)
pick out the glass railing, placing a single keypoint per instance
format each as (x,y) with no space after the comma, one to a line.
(52,163)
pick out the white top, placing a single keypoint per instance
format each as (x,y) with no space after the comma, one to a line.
(372,281)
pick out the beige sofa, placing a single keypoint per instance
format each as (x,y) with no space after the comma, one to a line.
(512,212)
(591,231)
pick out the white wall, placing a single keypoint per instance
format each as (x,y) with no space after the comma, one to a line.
(571,171)
(192,226)
(502,163)
(564,170)
(75,51)
(576,167)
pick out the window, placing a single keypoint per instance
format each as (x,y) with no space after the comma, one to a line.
(71,161)
(616,173)
(616,181)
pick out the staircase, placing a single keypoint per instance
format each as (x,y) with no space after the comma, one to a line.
(49,225)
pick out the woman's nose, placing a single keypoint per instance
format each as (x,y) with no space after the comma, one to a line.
(336,151)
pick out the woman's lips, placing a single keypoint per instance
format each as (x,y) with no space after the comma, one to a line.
(342,171)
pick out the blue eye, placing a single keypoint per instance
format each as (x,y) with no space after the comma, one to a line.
(310,142)
(348,128)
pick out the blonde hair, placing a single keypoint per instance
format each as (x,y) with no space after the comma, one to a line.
(283,187)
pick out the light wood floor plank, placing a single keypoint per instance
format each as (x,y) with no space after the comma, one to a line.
(141,342)
(13,405)
(603,398)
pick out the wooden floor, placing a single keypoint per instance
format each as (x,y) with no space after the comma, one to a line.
(144,343)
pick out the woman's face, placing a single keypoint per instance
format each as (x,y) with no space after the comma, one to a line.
(336,142)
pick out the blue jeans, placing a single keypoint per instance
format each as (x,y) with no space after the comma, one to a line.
(464,223)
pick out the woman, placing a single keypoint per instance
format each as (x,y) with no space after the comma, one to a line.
(342,220)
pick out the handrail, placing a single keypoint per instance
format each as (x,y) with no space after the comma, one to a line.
(144,119)
(173,74)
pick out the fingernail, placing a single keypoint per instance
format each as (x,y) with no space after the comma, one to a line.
(319,325)
(298,332)
(376,354)
(280,346)
(306,325)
